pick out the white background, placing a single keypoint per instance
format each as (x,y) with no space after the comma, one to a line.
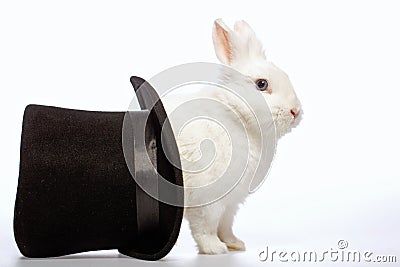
(334,177)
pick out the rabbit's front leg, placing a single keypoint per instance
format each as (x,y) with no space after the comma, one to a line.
(203,222)
(225,232)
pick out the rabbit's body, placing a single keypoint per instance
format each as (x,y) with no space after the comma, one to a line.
(211,224)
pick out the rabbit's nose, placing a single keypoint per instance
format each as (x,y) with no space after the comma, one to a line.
(294,112)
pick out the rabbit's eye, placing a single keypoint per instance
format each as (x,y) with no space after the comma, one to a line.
(262,84)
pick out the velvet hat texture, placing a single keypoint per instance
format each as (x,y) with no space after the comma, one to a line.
(81,180)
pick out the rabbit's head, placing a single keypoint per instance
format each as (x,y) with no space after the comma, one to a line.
(240,49)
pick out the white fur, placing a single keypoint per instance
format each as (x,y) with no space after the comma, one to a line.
(211,224)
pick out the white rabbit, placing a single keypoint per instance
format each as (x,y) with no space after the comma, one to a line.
(211,224)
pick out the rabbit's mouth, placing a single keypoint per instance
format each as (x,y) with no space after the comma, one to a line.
(285,122)
(297,119)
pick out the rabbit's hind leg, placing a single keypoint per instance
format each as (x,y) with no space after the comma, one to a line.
(203,222)
(225,232)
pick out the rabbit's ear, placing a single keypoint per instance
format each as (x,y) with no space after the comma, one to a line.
(222,41)
(244,29)
(252,46)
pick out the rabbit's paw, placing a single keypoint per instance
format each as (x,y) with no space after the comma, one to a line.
(236,244)
(212,245)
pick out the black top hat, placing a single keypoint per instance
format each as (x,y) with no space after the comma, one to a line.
(77,191)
